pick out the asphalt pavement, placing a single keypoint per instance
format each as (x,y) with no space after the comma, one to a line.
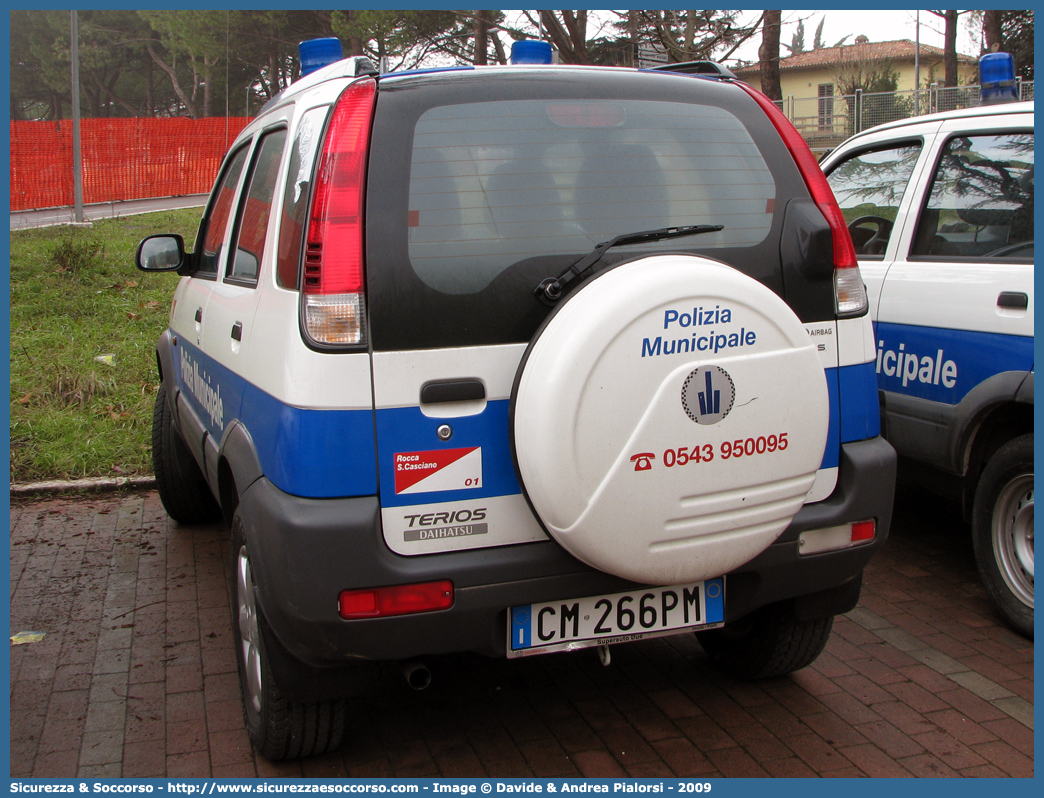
(48,217)
(122,665)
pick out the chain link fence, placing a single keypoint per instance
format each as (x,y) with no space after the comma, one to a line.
(827,121)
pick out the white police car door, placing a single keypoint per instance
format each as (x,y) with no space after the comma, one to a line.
(956,305)
(191,302)
(226,353)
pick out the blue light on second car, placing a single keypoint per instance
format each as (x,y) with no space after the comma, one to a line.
(997,78)
(530,51)
(317,53)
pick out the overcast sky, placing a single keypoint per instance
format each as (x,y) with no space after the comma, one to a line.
(879,26)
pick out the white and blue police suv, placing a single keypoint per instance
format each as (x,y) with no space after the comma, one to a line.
(940,209)
(515,360)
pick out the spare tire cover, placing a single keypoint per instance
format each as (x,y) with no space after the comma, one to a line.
(668,419)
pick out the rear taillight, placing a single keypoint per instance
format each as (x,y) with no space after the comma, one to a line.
(849,291)
(397,600)
(333,291)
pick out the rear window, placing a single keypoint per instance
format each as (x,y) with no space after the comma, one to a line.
(483,183)
(494,182)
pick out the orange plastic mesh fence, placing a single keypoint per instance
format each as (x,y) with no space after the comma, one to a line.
(123,159)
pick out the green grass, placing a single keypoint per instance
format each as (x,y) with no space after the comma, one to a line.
(84,325)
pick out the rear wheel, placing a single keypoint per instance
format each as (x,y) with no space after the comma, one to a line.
(182,488)
(278,727)
(1002,530)
(771,641)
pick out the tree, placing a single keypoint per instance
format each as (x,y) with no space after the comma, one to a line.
(768,55)
(156,63)
(950,17)
(681,35)
(481,26)
(120,80)
(201,62)
(264,47)
(404,39)
(877,82)
(797,41)
(993,37)
(198,36)
(39,64)
(1009,32)
(568,35)
(819,44)
(693,35)
(115,79)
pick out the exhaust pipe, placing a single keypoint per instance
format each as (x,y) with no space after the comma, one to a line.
(417,674)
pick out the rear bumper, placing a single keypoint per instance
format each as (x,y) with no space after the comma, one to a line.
(305,551)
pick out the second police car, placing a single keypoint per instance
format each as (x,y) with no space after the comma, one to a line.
(941,212)
(515,360)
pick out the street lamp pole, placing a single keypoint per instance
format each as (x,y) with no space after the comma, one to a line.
(77,155)
(917,64)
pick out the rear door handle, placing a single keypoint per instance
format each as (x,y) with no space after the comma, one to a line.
(199,315)
(237,331)
(452,391)
(1015,300)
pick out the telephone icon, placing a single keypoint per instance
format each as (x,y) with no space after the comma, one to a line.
(641,461)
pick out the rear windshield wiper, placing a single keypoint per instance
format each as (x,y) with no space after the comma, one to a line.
(551,288)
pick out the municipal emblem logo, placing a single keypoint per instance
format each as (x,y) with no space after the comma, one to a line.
(708,394)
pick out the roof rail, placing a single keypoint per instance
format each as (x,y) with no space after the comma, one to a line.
(699,68)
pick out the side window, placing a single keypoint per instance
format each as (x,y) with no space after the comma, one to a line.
(981,200)
(869,187)
(295,197)
(216,223)
(255,210)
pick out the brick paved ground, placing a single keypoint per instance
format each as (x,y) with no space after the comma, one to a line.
(135,676)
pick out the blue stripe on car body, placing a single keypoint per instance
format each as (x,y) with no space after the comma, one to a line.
(944,365)
(303,452)
(327,453)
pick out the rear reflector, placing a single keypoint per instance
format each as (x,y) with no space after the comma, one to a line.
(380,602)
(836,538)
(864,530)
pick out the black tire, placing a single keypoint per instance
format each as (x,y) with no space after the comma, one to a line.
(771,641)
(182,488)
(277,727)
(1002,531)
